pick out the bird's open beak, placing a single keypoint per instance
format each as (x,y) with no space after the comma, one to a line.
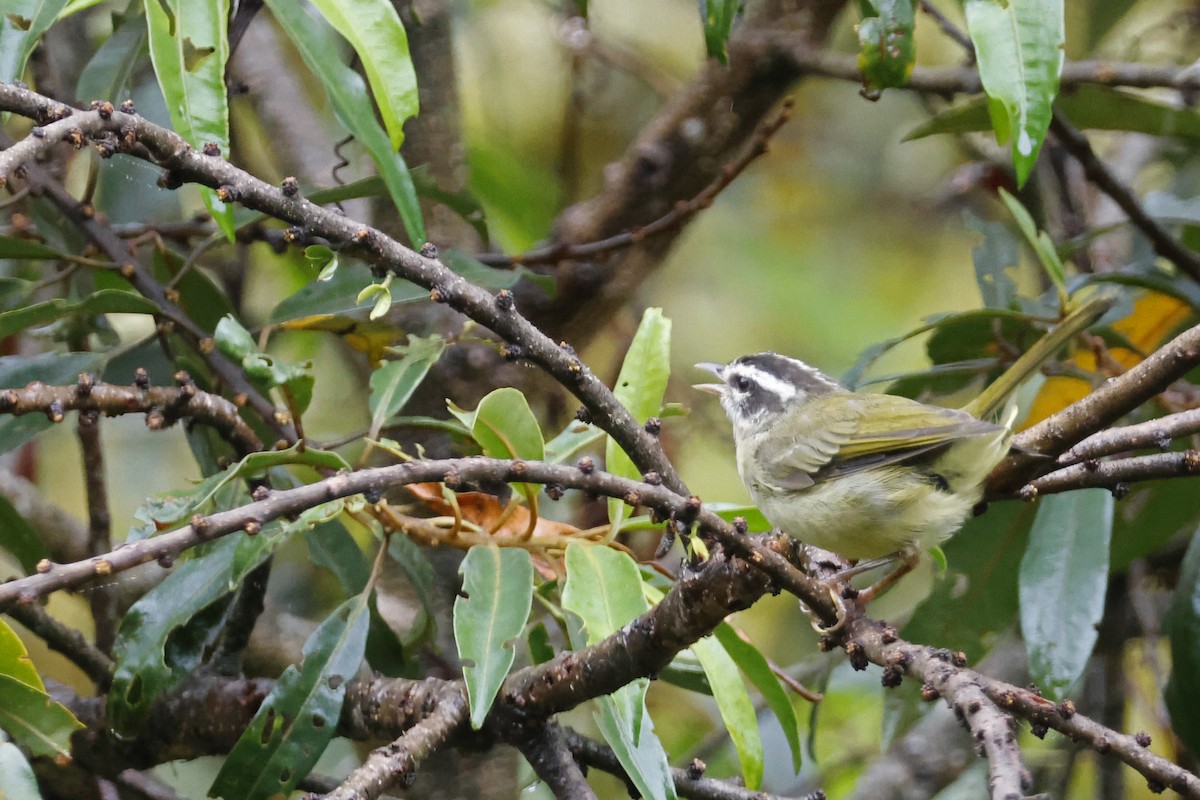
(715,369)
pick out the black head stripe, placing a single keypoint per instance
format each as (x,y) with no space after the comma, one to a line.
(792,371)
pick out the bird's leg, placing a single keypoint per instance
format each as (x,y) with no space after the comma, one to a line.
(908,561)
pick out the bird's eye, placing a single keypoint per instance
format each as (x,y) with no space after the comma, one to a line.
(741,383)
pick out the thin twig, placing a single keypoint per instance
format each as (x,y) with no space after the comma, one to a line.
(1104,406)
(677,216)
(104,599)
(1156,433)
(1166,245)
(68,641)
(1115,474)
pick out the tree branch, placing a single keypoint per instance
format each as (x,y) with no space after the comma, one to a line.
(547,749)
(1106,404)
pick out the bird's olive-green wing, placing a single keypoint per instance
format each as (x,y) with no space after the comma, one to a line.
(841,434)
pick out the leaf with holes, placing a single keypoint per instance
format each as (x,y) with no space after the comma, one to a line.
(489,614)
(189,46)
(299,717)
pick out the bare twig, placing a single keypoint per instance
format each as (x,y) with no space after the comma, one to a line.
(142,138)
(1166,245)
(677,216)
(1106,404)
(1157,433)
(68,641)
(1115,474)
(104,599)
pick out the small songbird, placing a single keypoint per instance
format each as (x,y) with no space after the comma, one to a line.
(865,475)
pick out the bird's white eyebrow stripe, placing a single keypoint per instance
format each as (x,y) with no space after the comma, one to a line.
(777,386)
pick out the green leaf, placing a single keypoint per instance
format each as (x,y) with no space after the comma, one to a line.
(34,720)
(885,37)
(1183,633)
(640,388)
(393,384)
(106,301)
(993,258)
(20,539)
(352,106)
(575,437)
(374,29)
(737,712)
(625,725)
(423,579)
(1040,241)
(189,46)
(21,27)
(49,368)
(162,638)
(12,247)
(756,668)
(505,427)
(27,713)
(331,546)
(603,592)
(977,597)
(718,17)
(1089,107)
(1018,45)
(19,780)
(265,372)
(1063,579)
(107,72)
(489,614)
(300,715)
(14,659)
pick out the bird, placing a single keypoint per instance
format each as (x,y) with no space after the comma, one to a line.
(875,478)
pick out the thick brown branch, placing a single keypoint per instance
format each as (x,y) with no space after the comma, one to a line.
(547,749)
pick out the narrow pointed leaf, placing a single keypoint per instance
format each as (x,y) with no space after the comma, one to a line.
(300,715)
(755,667)
(603,592)
(1062,584)
(189,46)
(374,29)
(490,613)
(35,721)
(352,105)
(640,388)
(163,636)
(737,712)
(21,27)
(1183,633)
